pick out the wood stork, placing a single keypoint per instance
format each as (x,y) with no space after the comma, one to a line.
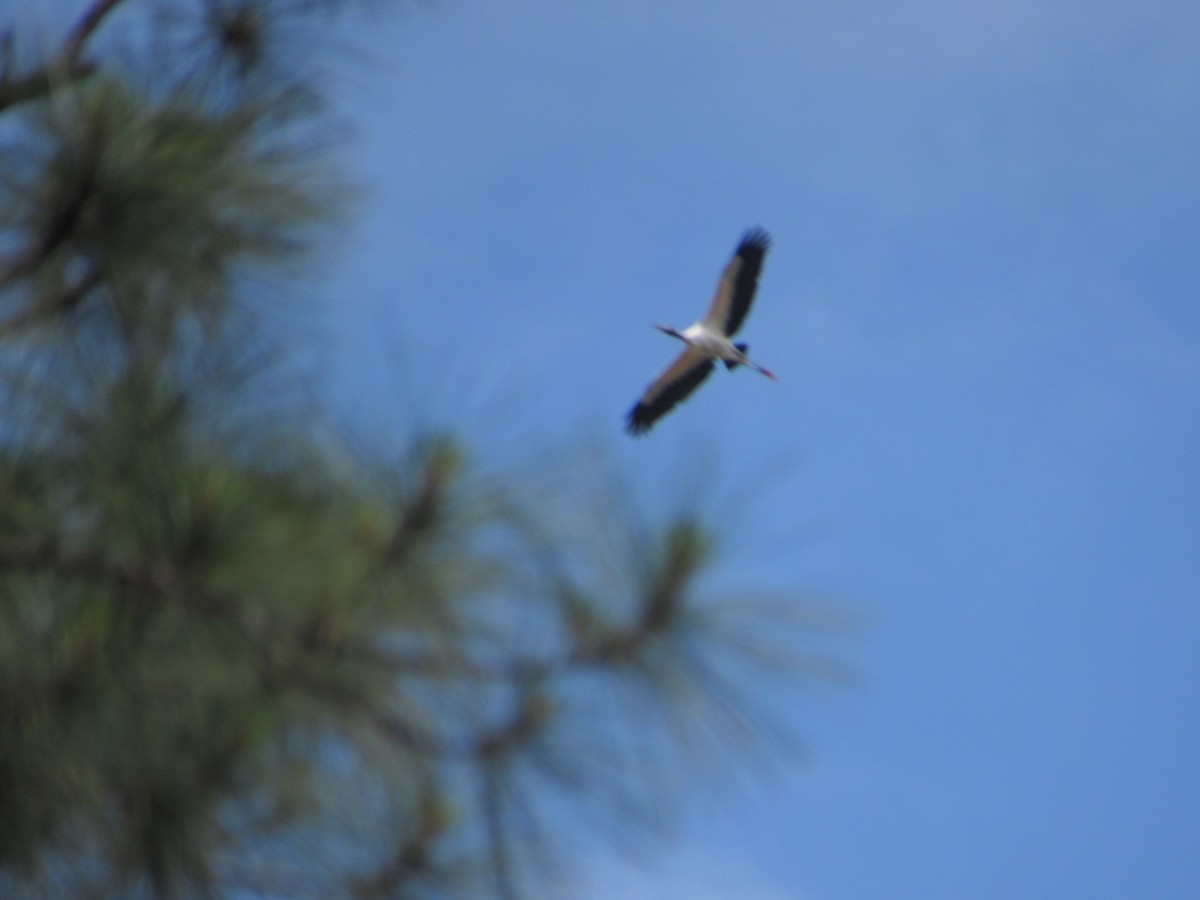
(709,339)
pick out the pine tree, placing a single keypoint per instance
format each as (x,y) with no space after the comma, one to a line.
(235,656)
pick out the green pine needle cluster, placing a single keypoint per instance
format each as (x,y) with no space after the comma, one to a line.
(152,208)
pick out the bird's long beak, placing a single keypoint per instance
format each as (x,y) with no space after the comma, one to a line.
(667,329)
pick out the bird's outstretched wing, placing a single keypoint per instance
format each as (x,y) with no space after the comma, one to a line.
(681,378)
(738,282)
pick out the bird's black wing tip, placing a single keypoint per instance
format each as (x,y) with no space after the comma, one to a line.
(757,237)
(637,423)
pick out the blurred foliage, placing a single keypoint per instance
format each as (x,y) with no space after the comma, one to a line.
(234,656)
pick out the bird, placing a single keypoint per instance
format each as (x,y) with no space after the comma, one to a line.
(709,339)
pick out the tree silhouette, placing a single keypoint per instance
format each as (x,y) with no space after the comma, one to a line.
(235,656)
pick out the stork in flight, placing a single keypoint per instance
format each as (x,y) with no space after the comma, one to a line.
(709,339)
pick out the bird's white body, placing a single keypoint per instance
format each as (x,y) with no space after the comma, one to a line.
(709,339)
(711,342)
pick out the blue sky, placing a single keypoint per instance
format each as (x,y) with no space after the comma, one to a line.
(983,303)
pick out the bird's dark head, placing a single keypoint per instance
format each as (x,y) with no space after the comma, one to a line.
(667,329)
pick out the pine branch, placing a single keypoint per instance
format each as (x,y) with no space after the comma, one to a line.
(87,24)
(161,579)
(67,65)
(46,555)
(493,819)
(57,303)
(64,220)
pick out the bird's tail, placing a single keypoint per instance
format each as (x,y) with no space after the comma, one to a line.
(731,363)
